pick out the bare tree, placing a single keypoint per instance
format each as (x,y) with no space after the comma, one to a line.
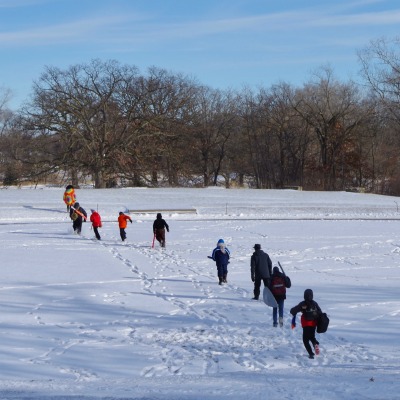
(332,110)
(211,123)
(380,67)
(91,110)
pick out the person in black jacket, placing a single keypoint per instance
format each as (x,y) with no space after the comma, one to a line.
(159,227)
(261,269)
(78,215)
(310,312)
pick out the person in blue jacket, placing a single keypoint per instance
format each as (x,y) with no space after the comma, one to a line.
(221,255)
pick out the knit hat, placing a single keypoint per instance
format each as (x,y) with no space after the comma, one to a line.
(275,270)
(76,205)
(308,295)
(92,211)
(221,241)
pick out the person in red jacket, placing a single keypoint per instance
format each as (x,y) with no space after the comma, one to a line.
(122,222)
(95,219)
(310,312)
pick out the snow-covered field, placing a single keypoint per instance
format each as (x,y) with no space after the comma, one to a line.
(88,319)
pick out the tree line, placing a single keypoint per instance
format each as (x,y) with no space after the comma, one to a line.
(109,124)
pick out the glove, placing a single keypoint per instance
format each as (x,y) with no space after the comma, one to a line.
(253,278)
(294,322)
(130,220)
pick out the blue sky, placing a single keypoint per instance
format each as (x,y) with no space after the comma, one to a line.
(221,43)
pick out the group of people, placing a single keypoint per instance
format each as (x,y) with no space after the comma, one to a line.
(277,282)
(78,215)
(260,268)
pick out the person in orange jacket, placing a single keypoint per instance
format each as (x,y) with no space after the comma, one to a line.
(69,197)
(122,222)
(95,219)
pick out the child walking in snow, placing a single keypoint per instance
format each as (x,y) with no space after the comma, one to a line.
(310,312)
(221,255)
(122,222)
(159,227)
(279,283)
(95,219)
(77,215)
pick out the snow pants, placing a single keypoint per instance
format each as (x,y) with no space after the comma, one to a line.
(77,225)
(222,271)
(160,236)
(309,336)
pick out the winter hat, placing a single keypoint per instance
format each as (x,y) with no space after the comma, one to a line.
(92,211)
(308,295)
(159,216)
(257,247)
(220,241)
(275,270)
(120,213)
(76,205)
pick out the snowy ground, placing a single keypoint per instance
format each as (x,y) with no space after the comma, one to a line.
(88,319)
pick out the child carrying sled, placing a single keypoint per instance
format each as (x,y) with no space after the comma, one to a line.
(279,283)
(69,197)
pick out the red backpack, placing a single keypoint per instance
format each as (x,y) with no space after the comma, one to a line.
(278,287)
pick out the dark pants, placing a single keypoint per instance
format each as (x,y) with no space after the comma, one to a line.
(122,233)
(257,285)
(96,232)
(222,272)
(309,336)
(160,236)
(77,226)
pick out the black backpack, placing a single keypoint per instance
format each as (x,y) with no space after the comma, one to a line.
(322,323)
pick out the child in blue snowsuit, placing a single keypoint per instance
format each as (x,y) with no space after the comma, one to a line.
(221,256)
